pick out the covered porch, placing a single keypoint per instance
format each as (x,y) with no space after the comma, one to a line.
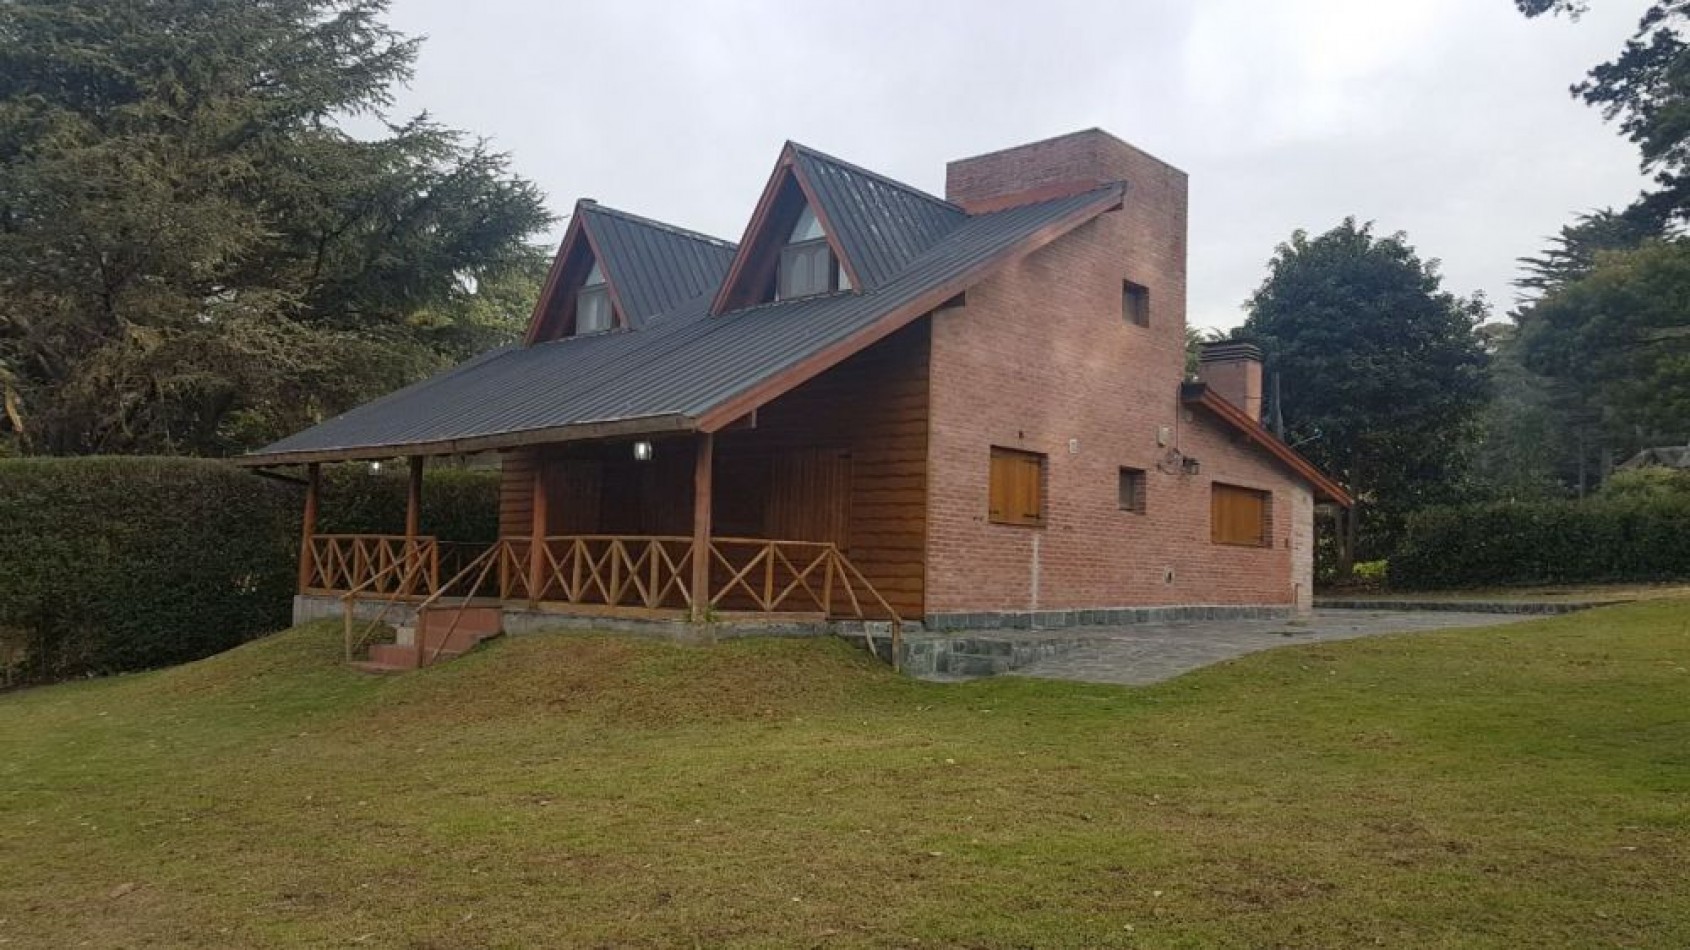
(804,506)
(601,542)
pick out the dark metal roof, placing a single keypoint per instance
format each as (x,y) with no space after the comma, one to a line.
(881,225)
(655,267)
(667,374)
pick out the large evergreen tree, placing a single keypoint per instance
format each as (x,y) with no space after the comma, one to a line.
(196,255)
(1381,373)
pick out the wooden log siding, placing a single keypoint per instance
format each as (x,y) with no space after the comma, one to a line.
(842,458)
(516,498)
(864,421)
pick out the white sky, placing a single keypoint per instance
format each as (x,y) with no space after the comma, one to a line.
(1447,119)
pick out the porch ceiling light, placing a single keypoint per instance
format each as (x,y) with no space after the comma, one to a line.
(642,451)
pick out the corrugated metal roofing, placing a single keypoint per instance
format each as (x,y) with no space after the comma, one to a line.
(655,267)
(881,225)
(680,365)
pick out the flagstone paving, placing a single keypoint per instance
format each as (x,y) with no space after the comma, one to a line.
(1141,654)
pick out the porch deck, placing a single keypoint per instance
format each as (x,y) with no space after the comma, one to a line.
(603,576)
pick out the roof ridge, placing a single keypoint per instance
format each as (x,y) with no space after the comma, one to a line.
(877,176)
(677,230)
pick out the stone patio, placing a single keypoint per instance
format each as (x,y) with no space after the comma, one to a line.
(1144,653)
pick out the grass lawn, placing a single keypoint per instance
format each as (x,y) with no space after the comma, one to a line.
(1575,593)
(1526,785)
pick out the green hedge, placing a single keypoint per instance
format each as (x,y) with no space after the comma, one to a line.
(111,564)
(124,563)
(1592,541)
(459,504)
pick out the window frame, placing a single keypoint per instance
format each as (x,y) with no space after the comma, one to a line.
(790,252)
(1135,304)
(1218,533)
(1010,474)
(600,294)
(1139,481)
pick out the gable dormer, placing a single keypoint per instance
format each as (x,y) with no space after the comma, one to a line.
(578,299)
(824,225)
(616,270)
(789,250)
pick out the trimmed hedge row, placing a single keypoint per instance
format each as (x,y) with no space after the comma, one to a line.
(458,504)
(112,564)
(1591,541)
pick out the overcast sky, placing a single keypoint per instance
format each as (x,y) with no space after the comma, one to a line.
(1447,119)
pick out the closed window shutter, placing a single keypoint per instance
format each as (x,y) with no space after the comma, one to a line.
(1016,489)
(1239,515)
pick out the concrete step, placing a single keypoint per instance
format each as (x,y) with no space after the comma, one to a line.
(395,658)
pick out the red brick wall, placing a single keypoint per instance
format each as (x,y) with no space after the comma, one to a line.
(1041,355)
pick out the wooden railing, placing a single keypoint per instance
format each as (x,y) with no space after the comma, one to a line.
(627,575)
(373,564)
(390,585)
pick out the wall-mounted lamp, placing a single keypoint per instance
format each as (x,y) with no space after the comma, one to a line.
(642,451)
(375,468)
(1190,466)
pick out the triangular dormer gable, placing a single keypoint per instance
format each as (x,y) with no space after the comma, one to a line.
(645,269)
(881,224)
(873,226)
(578,297)
(790,248)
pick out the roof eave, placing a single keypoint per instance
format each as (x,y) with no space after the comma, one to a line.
(574,432)
(1199,394)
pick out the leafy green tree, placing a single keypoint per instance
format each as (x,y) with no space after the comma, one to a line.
(1382,375)
(1646,89)
(1524,439)
(1621,335)
(196,255)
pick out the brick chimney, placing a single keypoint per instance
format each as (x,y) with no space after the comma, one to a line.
(1067,164)
(1234,371)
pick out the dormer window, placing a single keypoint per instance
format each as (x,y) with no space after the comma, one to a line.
(592,304)
(807,264)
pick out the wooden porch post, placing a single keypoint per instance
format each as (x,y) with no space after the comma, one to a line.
(413,500)
(308,528)
(413,526)
(537,534)
(703,464)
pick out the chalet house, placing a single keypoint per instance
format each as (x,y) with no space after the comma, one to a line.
(880,404)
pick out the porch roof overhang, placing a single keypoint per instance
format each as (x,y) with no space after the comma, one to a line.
(683,371)
(573,432)
(1325,488)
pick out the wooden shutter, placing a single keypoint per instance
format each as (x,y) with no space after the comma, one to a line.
(1016,487)
(1239,515)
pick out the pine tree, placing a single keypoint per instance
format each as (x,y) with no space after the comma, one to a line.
(196,255)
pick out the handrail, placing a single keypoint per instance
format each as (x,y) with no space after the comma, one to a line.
(349,600)
(486,559)
(897,622)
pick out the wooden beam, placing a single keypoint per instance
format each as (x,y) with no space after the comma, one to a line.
(537,534)
(308,526)
(702,469)
(413,500)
